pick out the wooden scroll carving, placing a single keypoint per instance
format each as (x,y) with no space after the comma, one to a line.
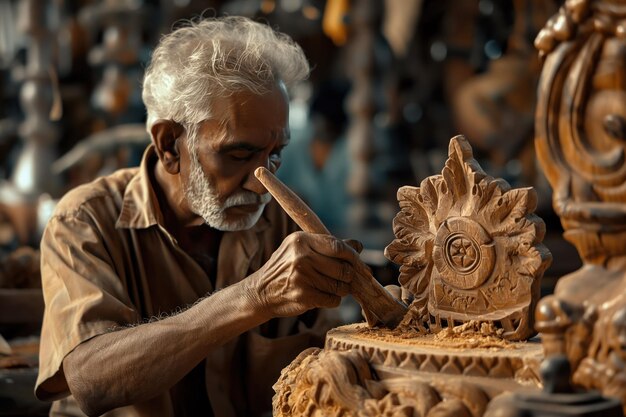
(469,248)
(580,133)
(340,383)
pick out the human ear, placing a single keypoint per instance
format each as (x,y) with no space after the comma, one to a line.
(165,134)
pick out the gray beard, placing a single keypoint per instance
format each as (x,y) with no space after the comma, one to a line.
(203,201)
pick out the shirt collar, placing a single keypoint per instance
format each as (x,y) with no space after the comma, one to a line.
(140,206)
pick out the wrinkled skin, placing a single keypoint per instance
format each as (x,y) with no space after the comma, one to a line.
(305,269)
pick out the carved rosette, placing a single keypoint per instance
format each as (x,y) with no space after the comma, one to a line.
(464,253)
(469,248)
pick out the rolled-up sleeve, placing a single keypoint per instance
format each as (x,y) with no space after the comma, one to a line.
(83,295)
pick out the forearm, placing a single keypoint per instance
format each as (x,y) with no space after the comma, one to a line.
(138,363)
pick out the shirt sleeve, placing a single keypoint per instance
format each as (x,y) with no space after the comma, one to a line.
(83,296)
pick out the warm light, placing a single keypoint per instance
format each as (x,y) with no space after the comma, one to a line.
(311,12)
(268,6)
(333,23)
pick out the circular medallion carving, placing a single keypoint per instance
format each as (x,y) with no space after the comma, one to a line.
(464,253)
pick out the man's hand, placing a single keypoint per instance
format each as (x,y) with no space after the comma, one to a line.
(305,272)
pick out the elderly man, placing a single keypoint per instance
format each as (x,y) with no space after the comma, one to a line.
(131,263)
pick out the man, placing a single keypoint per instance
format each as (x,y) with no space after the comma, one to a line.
(131,262)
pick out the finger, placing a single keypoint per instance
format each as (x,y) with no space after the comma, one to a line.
(326,300)
(339,270)
(328,245)
(343,289)
(354,244)
(330,286)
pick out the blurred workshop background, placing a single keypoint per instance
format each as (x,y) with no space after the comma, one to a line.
(392,82)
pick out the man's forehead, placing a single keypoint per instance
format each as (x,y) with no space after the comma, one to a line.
(247,118)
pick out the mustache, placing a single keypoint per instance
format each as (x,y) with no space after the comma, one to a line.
(245,198)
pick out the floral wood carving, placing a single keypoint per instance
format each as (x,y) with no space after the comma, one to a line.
(332,383)
(469,248)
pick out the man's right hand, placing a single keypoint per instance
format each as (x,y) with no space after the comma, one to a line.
(305,272)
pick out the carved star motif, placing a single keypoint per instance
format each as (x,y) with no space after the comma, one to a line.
(462,252)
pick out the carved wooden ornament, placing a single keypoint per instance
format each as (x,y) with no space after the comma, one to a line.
(580,124)
(341,383)
(580,140)
(469,248)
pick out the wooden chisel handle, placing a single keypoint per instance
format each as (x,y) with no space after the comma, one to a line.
(365,288)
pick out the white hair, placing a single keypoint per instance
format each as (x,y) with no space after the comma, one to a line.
(213,58)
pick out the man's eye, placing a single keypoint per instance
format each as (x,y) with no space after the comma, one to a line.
(275,159)
(275,155)
(241,155)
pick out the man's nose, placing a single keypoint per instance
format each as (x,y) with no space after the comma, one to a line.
(252,183)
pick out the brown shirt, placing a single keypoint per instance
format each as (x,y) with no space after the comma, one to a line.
(107,261)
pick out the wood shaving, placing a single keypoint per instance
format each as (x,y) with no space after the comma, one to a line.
(470,335)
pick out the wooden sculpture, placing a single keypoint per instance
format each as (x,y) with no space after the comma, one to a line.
(360,103)
(580,133)
(368,64)
(471,258)
(469,248)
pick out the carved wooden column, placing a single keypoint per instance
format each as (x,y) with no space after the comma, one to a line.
(581,145)
(40,103)
(362,107)
(39,134)
(117,128)
(117,97)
